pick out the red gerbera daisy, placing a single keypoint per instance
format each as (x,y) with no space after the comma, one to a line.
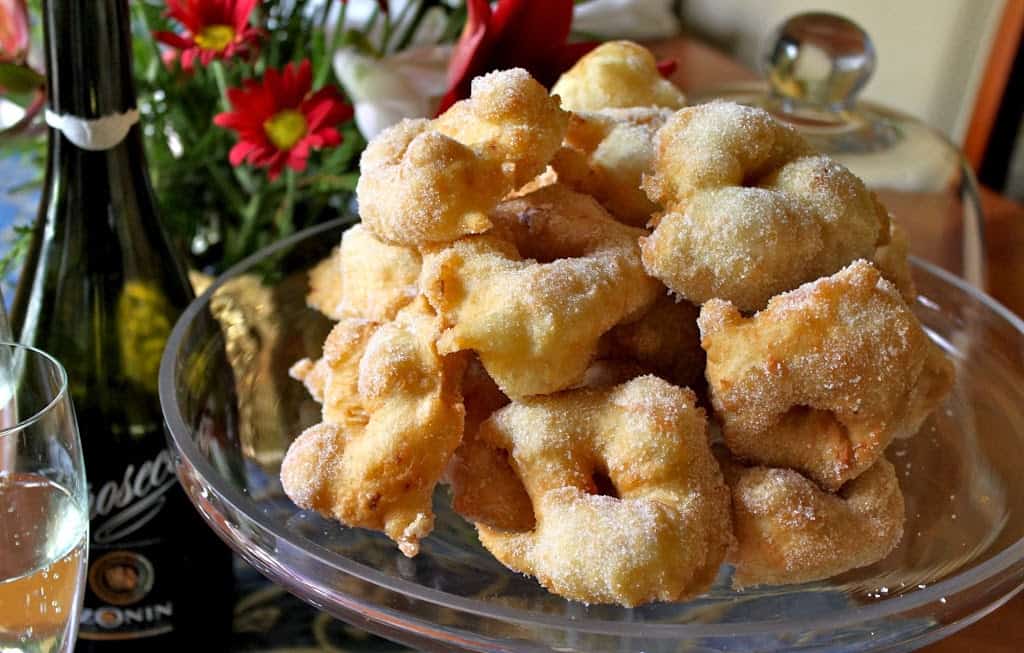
(530,34)
(214,29)
(279,121)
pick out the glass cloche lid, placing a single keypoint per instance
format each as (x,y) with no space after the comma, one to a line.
(815,66)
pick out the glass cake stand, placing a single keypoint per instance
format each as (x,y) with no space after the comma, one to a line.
(231,411)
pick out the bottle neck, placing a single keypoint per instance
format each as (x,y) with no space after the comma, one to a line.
(88,58)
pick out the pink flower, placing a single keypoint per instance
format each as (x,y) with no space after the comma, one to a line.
(14,32)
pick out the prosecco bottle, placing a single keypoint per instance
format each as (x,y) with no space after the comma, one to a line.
(101,290)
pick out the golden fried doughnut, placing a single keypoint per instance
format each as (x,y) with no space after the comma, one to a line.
(333,379)
(427,181)
(364,277)
(661,528)
(788,530)
(378,279)
(664,341)
(313,375)
(824,378)
(616,74)
(381,475)
(607,153)
(325,286)
(509,116)
(534,297)
(484,486)
(342,352)
(891,259)
(750,211)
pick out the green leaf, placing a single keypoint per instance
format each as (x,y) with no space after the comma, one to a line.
(18,78)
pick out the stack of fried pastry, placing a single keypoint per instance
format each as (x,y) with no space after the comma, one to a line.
(551,294)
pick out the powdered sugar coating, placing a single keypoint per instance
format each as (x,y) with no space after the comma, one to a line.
(485,488)
(616,74)
(325,286)
(428,181)
(534,297)
(511,118)
(825,377)
(379,279)
(384,444)
(789,530)
(606,154)
(666,530)
(364,277)
(750,211)
(891,259)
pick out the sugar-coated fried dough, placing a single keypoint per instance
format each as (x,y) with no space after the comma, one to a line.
(509,116)
(484,486)
(534,297)
(788,530)
(325,286)
(616,74)
(313,375)
(540,286)
(382,475)
(749,211)
(662,528)
(824,378)
(665,341)
(379,279)
(932,387)
(333,379)
(364,277)
(891,260)
(428,181)
(417,186)
(607,153)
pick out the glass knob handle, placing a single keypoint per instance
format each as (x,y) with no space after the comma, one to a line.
(819,60)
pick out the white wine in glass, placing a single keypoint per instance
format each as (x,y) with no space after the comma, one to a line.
(44,518)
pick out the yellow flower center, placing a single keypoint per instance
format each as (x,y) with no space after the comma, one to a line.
(285,128)
(215,37)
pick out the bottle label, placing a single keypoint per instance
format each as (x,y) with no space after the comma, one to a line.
(122,507)
(126,596)
(95,134)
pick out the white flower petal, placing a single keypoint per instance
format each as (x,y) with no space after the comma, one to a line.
(384,91)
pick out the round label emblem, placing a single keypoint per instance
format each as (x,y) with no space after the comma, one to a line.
(121,577)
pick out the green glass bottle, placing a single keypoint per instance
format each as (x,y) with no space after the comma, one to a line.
(101,290)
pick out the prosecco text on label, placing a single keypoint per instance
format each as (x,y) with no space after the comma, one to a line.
(119,509)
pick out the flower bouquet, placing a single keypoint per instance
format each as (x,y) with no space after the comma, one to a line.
(255,112)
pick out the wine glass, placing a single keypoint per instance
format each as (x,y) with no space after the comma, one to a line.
(44,508)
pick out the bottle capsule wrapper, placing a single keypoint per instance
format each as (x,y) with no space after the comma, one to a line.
(94,134)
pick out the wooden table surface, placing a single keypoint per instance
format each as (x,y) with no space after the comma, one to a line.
(701,68)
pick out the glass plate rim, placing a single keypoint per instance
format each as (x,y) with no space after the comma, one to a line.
(177,428)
